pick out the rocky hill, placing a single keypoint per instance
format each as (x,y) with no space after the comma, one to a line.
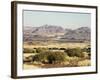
(52,32)
(82,33)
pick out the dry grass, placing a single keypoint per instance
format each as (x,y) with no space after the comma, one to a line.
(58,45)
(26,66)
(84,63)
(70,61)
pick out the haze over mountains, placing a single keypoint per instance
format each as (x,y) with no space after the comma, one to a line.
(52,32)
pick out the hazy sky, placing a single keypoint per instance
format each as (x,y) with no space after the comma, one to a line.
(66,20)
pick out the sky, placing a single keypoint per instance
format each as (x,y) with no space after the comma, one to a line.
(65,19)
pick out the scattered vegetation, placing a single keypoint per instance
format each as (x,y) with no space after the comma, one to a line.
(50,57)
(88,50)
(69,57)
(74,52)
(39,50)
(27,50)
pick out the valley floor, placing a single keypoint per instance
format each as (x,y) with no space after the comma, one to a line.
(71,62)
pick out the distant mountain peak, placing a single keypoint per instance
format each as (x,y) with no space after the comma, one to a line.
(56,32)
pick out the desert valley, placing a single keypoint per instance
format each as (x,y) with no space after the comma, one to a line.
(51,46)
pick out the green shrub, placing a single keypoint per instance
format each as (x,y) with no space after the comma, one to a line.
(50,57)
(74,52)
(56,57)
(62,48)
(39,50)
(33,51)
(88,50)
(27,50)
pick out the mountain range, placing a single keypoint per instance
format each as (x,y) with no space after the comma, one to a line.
(52,32)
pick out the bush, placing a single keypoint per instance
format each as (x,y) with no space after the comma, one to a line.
(56,57)
(54,48)
(39,50)
(74,52)
(27,50)
(88,50)
(62,48)
(50,57)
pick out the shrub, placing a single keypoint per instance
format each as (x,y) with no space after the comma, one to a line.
(55,48)
(50,57)
(62,48)
(28,59)
(74,52)
(39,50)
(27,50)
(88,50)
(56,57)
(33,50)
